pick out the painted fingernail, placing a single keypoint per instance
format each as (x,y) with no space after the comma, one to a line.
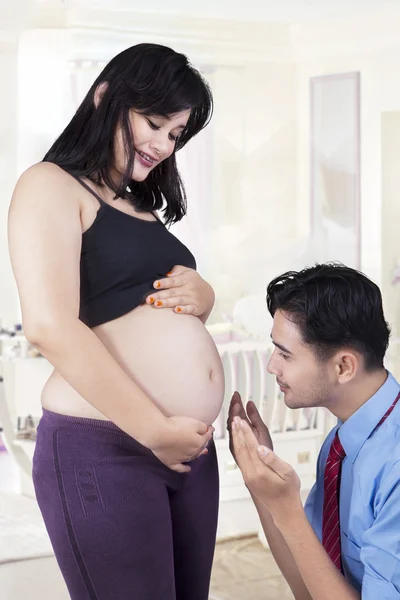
(236,420)
(157,284)
(263,450)
(169,273)
(151,300)
(178,309)
(158,303)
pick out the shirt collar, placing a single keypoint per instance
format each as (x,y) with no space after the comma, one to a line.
(357,429)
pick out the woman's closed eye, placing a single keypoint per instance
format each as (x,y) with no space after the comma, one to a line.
(153,125)
(156,127)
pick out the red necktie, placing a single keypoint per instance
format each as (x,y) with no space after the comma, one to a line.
(330,517)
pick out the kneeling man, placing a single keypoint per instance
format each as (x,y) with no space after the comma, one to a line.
(330,339)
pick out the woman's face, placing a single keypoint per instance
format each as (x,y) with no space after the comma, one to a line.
(154,138)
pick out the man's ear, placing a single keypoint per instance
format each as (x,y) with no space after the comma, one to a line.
(347,364)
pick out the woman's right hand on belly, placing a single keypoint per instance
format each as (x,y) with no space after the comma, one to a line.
(181,441)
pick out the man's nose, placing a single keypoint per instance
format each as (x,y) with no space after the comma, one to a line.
(271,366)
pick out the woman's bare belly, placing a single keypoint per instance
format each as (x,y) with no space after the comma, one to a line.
(171,357)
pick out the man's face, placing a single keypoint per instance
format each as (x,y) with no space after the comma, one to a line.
(304,380)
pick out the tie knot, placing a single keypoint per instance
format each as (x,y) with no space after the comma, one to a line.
(337,447)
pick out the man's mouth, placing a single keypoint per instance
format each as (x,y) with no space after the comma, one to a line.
(282,385)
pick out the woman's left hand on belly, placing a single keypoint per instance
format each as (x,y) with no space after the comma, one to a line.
(185,291)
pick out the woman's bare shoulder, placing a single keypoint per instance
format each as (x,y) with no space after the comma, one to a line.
(42,181)
(44,172)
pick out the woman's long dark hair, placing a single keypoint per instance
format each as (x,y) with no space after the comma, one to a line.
(154,80)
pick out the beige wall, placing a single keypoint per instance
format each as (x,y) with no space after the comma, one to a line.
(8,157)
(254,174)
(369,45)
(391,216)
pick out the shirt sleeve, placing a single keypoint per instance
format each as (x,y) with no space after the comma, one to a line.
(309,505)
(380,549)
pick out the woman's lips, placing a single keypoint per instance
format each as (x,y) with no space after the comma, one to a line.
(146,159)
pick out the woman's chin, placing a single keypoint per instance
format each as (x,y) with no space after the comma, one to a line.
(139,177)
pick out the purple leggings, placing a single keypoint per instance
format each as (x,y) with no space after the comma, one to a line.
(123,526)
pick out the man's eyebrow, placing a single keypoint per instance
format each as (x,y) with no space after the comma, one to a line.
(282,348)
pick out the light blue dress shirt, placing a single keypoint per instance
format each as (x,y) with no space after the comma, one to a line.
(369,496)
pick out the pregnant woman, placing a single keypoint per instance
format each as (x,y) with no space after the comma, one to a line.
(125,467)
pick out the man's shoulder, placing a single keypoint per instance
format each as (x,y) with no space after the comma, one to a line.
(381,456)
(389,441)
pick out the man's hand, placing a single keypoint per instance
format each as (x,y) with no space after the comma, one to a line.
(268,478)
(252,418)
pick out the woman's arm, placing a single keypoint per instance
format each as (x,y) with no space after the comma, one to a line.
(45,243)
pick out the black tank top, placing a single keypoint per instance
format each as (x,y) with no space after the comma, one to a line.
(121,257)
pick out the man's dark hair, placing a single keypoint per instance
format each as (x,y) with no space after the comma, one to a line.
(334,307)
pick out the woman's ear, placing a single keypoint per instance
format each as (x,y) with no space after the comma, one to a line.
(99,93)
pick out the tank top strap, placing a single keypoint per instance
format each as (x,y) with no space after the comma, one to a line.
(88,188)
(100,199)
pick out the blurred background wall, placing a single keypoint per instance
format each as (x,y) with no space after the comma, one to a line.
(299,162)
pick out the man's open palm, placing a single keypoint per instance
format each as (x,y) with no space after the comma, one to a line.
(258,427)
